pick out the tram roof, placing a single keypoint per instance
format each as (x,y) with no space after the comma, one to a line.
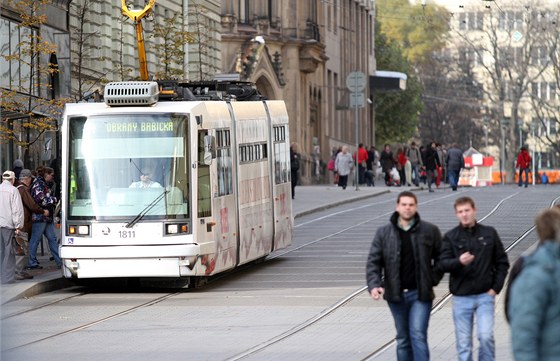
(87,109)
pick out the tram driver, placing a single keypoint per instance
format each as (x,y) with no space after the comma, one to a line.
(145,180)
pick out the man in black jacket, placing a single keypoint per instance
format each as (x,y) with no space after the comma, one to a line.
(478,264)
(400,267)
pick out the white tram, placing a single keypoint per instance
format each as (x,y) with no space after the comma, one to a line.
(216,191)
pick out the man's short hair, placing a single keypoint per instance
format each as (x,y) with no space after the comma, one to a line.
(464,200)
(407,194)
(548,225)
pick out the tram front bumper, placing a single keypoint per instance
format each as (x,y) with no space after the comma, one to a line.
(130,261)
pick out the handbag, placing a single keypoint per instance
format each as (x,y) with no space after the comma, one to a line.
(330,166)
(21,245)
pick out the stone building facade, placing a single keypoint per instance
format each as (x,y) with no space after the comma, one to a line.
(297,51)
(302,52)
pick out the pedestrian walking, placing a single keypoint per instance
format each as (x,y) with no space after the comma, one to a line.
(371,167)
(400,267)
(474,256)
(415,157)
(432,164)
(343,165)
(534,305)
(440,168)
(387,163)
(30,207)
(400,162)
(362,155)
(43,225)
(11,222)
(523,163)
(454,162)
(294,167)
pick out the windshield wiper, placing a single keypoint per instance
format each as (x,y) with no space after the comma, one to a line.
(141,215)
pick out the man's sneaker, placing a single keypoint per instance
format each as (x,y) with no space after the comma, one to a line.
(34,267)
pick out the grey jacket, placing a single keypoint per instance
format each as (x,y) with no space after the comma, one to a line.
(383,264)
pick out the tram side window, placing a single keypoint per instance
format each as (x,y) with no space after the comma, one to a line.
(249,153)
(224,163)
(204,200)
(281,170)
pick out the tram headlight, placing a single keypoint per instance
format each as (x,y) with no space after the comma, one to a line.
(176,228)
(79,230)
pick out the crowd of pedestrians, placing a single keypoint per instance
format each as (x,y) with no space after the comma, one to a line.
(408,166)
(27,213)
(408,257)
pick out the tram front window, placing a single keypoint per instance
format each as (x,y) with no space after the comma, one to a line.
(121,164)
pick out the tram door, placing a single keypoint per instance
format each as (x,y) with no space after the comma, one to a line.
(204,216)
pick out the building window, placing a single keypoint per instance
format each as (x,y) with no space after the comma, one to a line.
(471,21)
(16,73)
(244,11)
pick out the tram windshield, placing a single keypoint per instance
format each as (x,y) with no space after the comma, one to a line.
(120,166)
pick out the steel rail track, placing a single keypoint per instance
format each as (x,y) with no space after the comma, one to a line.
(326,312)
(297,328)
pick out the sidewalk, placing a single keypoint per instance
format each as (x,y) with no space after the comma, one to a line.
(308,199)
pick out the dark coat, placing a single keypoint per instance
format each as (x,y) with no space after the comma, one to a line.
(454,159)
(489,268)
(385,258)
(432,160)
(386,160)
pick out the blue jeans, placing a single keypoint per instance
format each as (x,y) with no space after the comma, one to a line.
(411,318)
(37,231)
(521,171)
(453,177)
(464,310)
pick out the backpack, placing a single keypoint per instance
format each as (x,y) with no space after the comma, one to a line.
(515,270)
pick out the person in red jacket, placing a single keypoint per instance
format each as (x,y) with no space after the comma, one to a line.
(362,163)
(523,163)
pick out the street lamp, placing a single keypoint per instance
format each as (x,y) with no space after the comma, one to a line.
(505,122)
(533,127)
(520,127)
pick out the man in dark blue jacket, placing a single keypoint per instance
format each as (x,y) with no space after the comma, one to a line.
(474,256)
(454,162)
(401,267)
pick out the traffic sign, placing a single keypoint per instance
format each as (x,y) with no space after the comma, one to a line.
(357,100)
(356,81)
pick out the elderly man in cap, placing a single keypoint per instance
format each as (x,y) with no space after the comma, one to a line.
(29,207)
(11,221)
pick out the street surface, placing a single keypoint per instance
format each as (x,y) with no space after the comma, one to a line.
(304,303)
